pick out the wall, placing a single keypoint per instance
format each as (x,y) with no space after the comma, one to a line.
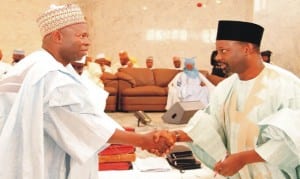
(282,31)
(18,26)
(159,28)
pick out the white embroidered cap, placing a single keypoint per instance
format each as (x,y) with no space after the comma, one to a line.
(100,55)
(19,52)
(57,17)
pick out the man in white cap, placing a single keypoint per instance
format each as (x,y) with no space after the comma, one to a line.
(149,62)
(177,62)
(250,128)
(123,61)
(56,126)
(18,55)
(104,63)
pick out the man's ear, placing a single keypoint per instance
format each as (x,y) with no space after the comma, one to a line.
(56,36)
(248,48)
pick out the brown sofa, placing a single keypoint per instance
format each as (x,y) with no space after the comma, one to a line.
(143,89)
(110,82)
(134,89)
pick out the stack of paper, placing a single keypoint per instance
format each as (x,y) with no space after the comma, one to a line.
(156,164)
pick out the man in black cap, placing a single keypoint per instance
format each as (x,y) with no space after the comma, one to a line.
(266,56)
(249,128)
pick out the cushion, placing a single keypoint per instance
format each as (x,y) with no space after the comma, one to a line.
(108,76)
(126,77)
(142,76)
(163,76)
(144,91)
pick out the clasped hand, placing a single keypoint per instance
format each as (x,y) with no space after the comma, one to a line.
(160,142)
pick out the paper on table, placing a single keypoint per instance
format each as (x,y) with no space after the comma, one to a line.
(152,164)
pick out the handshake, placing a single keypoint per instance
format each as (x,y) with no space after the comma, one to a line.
(160,142)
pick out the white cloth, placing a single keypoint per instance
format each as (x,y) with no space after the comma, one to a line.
(115,67)
(93,72)
(56,125)
(107,69)
(182,88)
(265,120)
(4,67)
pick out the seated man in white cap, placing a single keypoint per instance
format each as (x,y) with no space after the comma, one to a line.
(189,85)
(18,55)
(104,63)
(124,59)
(149,62)
(56,125)
(177,62)
(92,70)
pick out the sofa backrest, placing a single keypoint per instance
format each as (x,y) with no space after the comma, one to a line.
(163,76)
(142,76)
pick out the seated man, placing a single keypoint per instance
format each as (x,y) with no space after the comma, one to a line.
(177,62)
(189,85)
(17,55)
(92,70)
(266,56)
(149,62)
(104,63)
(123,60)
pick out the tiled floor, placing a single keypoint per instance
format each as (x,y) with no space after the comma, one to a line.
(127,119)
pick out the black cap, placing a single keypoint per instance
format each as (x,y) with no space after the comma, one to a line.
(266,53)
(240,31)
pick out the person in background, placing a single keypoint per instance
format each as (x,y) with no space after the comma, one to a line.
(177,62)
(4,67)
(132,63)
(18,55)
(266,56)
(56,124)
(189,85)
(104,63)
(217,68)
(93,71)
(149,62)
(123,60)
(250,128)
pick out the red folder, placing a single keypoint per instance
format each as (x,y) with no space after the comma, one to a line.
(117,158)
(114,149)
(115,166)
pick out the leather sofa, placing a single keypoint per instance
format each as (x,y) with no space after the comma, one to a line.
(134,89)
(143,89)
(110,82)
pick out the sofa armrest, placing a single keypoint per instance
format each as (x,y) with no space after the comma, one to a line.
(204,72)
(108,76)
(109,80)
(127,78)
(214,79)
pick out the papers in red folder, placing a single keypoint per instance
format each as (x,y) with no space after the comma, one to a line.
(114,149)
(115,166)
(117,156)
